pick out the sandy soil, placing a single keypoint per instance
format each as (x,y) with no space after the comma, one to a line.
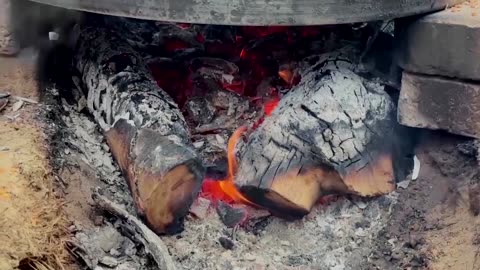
(32,224)
(16,75)
(435,224)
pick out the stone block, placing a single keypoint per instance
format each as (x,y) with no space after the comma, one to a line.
(445,43)
(439,103)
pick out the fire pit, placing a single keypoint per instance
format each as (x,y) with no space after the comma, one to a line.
(314,126)
(239,119)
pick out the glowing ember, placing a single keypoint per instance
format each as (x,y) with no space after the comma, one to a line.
(212,190)
(200,38)
(234,86)
(261,31)
(174,44)
(225,190)
(253,60)
(184,25)
(289,74)
(270,105)
(286,75)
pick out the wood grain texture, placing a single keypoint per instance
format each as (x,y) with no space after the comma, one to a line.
(144,128)
(335,132)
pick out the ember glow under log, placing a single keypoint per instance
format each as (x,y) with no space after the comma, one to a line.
(333,133)
(313,125)
(144,128)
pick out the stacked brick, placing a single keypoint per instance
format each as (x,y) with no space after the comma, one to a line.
(440,56)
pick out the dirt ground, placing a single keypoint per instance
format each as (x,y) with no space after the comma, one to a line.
(32,224)
(435,224)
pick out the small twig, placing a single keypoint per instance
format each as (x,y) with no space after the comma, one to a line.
(212,128)
(60,180)
(13,117)
(234,232)
(147,237)
(3,103)
(28,100)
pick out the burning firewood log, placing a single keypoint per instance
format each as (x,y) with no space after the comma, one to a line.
(144,128)
(333,133)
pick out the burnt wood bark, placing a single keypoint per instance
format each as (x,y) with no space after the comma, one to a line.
(138,231)
(333,133)
(144,128)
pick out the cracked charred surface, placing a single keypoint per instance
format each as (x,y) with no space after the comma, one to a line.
(335,132)
(144,128)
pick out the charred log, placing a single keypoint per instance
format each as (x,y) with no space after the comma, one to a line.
(153,39)
(333,133)
(144,128)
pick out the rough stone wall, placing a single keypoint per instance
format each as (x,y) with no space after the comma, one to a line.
(8,46)
(441,79)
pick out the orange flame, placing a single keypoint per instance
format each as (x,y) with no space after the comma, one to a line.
(289,74)
(225,189)
(228,184)
(286,75)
